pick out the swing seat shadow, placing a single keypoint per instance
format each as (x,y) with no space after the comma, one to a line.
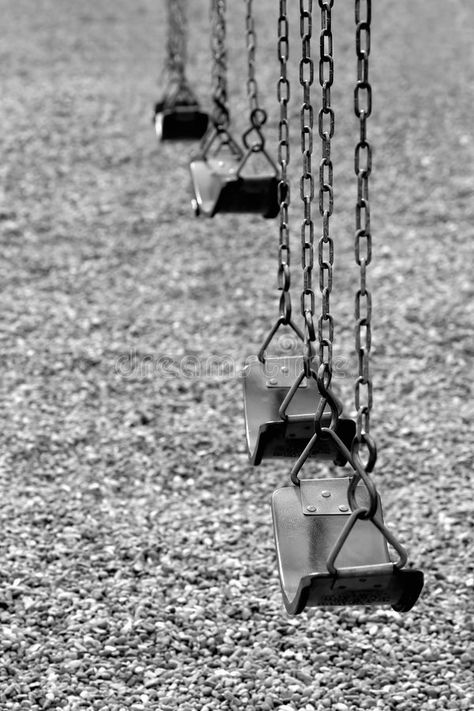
(268,434)
(305,537)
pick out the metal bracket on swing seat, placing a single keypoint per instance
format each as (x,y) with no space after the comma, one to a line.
(308,521)
(219,185)
(179,121)
(268,433)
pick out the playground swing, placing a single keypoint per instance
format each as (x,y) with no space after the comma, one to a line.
(331,540)
(280,393)
(178,115)
(219,172)
(280,397)
(319,521)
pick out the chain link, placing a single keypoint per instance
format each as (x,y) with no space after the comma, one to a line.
(283,93)
(326,197)
(221,116)
(306,72)
(363,236)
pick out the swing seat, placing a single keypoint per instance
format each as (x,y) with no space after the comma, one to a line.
(268,434)
(304,538)
(219,187)
(180,122)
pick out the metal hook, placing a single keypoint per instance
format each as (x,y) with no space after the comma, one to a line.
(249,152)
(290,394)
(281,321)
(258,144)
(225,139)
(359,472)
(349,525)
(295,470)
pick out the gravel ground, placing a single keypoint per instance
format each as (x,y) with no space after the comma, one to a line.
(137,560)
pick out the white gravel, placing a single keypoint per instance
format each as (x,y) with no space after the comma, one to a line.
(137,563)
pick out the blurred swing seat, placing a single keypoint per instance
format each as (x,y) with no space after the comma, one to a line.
(218,187)
(272,433)
(308,521)
(177,121)
(220,184)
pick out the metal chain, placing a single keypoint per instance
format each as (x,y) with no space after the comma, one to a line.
(176,40)
(363,257)
(283,93)
(306,69)
(252,88)
(258,115)
(326,198)
(221,116)
(363,236)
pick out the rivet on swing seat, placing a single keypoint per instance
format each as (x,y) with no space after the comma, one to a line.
(175,122)
(307,521)
(268,434)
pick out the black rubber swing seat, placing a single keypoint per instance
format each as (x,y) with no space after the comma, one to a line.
(180,122)
(219,186)
(269,435)
(307,521)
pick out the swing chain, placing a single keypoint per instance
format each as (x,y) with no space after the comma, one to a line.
(258,115)
(283,93)
(306,76)
(221,116)
(178,90)
(326,199)
(252,88)
(363,236)
(176,40)
(363,252)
